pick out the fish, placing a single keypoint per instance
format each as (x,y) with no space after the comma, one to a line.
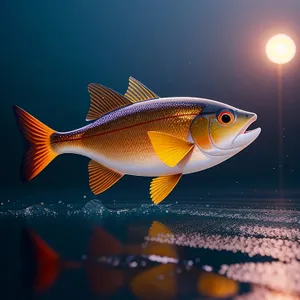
(141,134)
(105,261)
(151,270)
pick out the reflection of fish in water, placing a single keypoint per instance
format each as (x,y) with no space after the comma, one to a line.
(141,134)
(152,271)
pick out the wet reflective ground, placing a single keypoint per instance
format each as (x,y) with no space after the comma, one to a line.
(150,252)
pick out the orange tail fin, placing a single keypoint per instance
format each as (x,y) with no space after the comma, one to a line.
(44,263)
(41,264)
(40,152)
(103,279)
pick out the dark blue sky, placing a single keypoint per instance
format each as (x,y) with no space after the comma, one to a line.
(51,50)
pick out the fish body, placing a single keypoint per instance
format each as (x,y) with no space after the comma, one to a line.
(141,134)
(119,140)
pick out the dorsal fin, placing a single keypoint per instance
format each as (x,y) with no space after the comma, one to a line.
(137,91)
(103,100)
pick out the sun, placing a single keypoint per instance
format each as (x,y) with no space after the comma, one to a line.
(280,49)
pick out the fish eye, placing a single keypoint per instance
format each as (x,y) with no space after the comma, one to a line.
(226,117)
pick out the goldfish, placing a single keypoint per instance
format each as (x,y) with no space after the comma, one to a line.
(151,270)
(141,134)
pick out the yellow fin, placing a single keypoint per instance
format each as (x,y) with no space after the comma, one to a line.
(137,91)
(216,286)
(103,100)
(101,178)
(158,228)
(157,248)
(157,283)
(170,149)
(162,186)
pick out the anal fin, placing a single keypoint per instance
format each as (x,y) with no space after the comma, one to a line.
(103,280)
(162,186)
(170,149)
(101,178)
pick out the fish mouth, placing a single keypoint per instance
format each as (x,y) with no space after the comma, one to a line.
(245,136)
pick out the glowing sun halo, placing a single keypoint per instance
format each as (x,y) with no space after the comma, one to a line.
(280,49)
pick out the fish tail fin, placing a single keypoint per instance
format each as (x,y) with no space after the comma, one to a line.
(41,265)
(103,279)
(40,152)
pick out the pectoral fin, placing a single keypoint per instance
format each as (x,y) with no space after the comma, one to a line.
(101,178)
(162,186)
(170,149)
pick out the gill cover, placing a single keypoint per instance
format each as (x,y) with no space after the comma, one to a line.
(200,133)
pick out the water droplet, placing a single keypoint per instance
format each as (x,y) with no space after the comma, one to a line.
(133,264)
(190,263)
(143,263)
(207,268)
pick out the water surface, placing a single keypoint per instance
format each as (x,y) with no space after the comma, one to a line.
(257,248)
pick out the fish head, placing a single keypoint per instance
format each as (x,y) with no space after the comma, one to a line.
(222,130)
